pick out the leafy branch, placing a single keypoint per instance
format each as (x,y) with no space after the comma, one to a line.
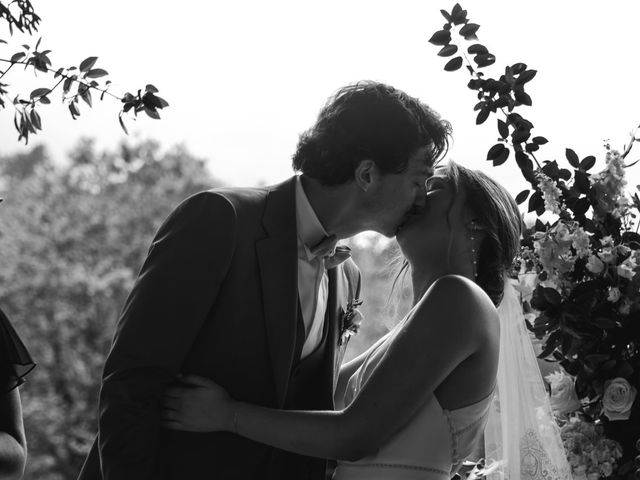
(77,82)
(23,17)
(506,95)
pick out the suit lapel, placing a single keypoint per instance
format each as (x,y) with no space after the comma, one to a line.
(277,257)
(335,308)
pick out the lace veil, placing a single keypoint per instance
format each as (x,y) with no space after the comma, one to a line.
(522,439)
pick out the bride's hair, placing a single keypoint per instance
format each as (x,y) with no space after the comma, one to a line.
(496,215)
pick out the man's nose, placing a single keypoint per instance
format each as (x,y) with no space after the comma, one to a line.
(421,198)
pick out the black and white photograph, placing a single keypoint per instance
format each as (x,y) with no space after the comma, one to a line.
(340,240)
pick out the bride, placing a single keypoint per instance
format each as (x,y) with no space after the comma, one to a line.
(420,400)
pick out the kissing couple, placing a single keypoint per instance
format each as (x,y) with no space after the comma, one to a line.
(227,358)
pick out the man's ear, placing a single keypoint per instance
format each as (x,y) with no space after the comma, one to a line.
(366,174)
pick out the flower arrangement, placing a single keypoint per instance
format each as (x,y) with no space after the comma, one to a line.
(350,322)
(579,265)
(590,454)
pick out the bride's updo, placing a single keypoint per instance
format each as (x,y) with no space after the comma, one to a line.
(496,218)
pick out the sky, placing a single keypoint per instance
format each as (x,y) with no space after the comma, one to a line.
(244,78)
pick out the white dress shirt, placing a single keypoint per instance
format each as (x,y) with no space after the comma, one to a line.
(313,282)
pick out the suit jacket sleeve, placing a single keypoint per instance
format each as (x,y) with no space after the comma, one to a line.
(176,288)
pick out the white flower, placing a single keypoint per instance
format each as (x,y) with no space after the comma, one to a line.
(550,193)
(618,398)
(563,233)
(624,308)
(608,255)
(626,268)
(614,294)
(581,242)
(606,241)
(606,469)
(595,265)
(563,393)
(623,250)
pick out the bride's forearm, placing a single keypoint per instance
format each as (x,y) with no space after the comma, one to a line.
(321,434)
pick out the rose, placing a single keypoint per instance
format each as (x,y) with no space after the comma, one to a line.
(618,398)
(606,469)
(595,265)
(563,393)
(626,268)
(614,294)
(608,255)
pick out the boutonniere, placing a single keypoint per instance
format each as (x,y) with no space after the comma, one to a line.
(351,321)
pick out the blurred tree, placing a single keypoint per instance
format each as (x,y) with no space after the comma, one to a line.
(72,240)
(385,300)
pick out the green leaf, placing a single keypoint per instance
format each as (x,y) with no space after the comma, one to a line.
(525,77)
(35,119)
(162,101)
(3,41)
(495,151)
(38,43)
(74,110)
(441,37)
(531,147)
(18,56)
(587,162)
(572,157)
(453,64)
(482,116)
(582,181)
(523,98)
(518,68)
(500,159)
(523,161)
(96,73)
(603,322)
(86,96)
(447,50)
(446,15)
(87,63)
(58,73)
(152,113)
(66,86)
(150,88)
(540,141)
(520,135)
(477,49)
(484,60)
(38,92)
(469,30)
(44,100)
(522,196)
(458,15)
(503,129)
(552,296)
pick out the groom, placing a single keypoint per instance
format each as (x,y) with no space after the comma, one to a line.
(245,286)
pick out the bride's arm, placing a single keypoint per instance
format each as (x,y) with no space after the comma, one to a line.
(346,372)
(442,333)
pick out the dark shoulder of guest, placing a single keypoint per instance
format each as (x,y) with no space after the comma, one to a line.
(15,360)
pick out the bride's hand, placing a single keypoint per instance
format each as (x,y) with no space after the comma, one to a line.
(197,404)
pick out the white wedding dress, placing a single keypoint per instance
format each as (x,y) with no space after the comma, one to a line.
(432,445)
(521,438)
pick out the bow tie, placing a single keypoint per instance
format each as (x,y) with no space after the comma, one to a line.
(332,253)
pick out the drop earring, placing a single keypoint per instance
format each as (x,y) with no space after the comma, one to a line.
(474,258)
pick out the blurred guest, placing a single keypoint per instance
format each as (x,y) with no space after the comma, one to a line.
(15,363)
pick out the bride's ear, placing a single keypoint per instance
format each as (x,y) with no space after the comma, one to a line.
(366,174)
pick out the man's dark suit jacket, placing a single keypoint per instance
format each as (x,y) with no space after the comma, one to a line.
(216,296)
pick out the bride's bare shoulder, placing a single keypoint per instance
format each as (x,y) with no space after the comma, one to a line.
(458,301)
